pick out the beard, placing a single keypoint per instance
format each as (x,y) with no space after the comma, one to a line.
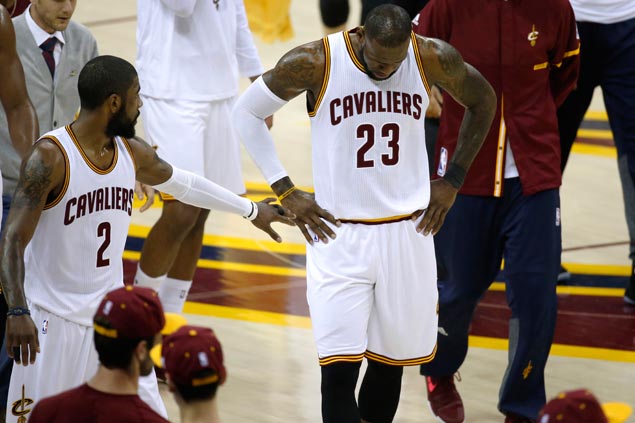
(121,126)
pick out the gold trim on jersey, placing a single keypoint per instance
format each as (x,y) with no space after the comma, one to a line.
(415,48)
(500,153)
(126,144)
(327,73)
(67,172)
(341,358)
(379,221)
(540,66)
(408,362)
(87,160)
(351,52)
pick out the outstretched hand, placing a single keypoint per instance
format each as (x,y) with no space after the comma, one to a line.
(144,191)
(21,339)
(269,213)
(442,196)
(309,215)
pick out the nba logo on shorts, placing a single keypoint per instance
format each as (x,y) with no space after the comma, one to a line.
(45,327)
(443,162)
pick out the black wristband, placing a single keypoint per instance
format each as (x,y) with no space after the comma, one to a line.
(18,311)
(455,175)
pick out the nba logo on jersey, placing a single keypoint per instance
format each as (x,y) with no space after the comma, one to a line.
(45,327)
(443,162)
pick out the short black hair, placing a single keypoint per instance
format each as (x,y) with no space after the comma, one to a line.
(198,393)
(389,25)
(101,77)
(116,353)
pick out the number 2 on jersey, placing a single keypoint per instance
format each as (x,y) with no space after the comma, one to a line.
(389,131)
(103,230)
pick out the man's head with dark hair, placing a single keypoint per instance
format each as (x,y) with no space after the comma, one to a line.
(197,393)
(117,353)
(389,25)
(113,82)
(385,38)
(127,324)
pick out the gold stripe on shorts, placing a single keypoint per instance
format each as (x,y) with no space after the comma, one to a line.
(341,358)
(408,362)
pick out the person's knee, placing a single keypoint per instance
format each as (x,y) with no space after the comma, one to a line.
(338,392)
(180,218)
(379,395)
(340,377)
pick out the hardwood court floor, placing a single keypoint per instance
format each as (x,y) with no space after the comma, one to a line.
(251,290)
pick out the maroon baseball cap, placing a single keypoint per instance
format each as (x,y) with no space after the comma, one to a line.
(189,354)
(581,406)
(130,312)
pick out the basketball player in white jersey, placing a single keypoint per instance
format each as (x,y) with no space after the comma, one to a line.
(65,235)
(371,270)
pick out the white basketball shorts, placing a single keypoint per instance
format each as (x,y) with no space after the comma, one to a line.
(196,136)
(372,292)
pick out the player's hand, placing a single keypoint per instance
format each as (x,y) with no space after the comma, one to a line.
(143,190)
(269,213)
(21,339)
(309,215)
(442,196)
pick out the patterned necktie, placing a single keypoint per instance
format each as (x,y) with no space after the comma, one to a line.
(47,52)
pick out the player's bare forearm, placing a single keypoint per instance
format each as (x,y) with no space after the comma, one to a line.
(12,274)
(477,119)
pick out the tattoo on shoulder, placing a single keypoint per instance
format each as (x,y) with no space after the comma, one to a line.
(33,184)
(450,59)
(301,68)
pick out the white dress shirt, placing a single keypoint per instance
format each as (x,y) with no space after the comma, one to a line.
(41,35)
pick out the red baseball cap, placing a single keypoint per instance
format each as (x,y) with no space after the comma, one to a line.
(189,353)
(130,312)
(581,406)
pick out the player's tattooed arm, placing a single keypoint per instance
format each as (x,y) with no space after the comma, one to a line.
(445,67)
(41,180)
(301,69)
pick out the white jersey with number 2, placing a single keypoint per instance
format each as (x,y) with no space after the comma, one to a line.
(75,255)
